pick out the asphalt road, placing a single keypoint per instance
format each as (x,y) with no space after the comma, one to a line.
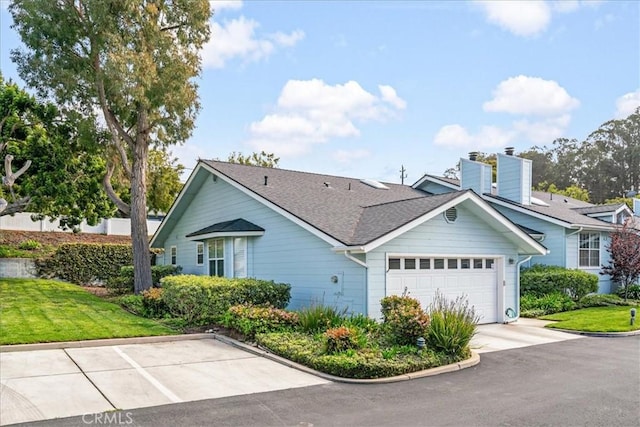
(586,382)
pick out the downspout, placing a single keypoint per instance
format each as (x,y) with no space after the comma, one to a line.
(517,298)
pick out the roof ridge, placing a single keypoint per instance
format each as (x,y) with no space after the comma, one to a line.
(296,171)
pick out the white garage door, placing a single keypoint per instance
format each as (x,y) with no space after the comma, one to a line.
(420,277)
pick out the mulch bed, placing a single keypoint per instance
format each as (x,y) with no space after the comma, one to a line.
(55,238)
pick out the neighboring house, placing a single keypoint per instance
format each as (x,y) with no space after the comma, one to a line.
(346,241)
(575,232)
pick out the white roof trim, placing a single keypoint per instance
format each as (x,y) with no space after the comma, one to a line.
(544,217)
(175,203)
(435,180)
(219,234)
(313,230)
(469,195)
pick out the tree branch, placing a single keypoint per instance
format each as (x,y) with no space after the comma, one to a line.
(124,159)
(106,183)
(15,207)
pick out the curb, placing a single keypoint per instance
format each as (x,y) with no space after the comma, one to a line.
(599,334)
(468,363)
(102,342)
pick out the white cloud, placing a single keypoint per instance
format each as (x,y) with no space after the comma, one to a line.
(310,112)
(389,95)
(542,131)
(530,95)
(457,136)
(529,18)
(348,156)
(219,5)
(523,17)
(237,39)
(627,104)
(287,40)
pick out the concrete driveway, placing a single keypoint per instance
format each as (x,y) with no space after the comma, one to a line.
(44,384)
(522,333)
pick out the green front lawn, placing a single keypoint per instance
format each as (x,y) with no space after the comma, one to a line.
(37,310)
(595,319)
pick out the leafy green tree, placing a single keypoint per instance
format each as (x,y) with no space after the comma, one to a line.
(626,200)
(60,174)
(164,180)
(572,191)
(264,159)
(610,159)
(135,61)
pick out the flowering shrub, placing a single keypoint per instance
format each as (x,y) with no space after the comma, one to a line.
(340,339)
(404,319)
(250,320)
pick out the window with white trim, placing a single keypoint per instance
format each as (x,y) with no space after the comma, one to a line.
(174,255)
(199,253)
(240,257)
(216,257)
(420,263)
(589,250)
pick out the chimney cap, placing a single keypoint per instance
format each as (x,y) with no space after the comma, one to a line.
(473,155)
(509,151)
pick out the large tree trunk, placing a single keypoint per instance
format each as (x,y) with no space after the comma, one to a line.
(139,232)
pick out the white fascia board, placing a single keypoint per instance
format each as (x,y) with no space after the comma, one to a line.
(274,207)
(351,249)
(528,212)
(216,235)
(176,202)
(435,181)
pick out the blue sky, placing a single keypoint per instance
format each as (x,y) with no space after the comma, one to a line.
(360,88)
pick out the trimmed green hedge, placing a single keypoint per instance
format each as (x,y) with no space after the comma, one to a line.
(85,263)
(123,282)
(202,299)
(541,280)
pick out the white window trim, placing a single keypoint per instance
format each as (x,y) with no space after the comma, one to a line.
(590,249)
(199,247)
(173,259)
(245,248)
(224,253)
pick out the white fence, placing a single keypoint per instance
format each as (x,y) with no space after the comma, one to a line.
(113,226)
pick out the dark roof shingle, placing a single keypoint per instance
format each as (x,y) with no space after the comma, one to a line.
(344,208)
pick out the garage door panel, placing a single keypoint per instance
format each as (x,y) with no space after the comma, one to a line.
(478,285)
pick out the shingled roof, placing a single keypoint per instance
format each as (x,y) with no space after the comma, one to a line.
(346,209)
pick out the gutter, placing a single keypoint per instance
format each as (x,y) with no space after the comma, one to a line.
(354,259)
(517,298)
(575,232)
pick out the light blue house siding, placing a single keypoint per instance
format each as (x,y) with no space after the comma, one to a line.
(476,176)
(514,178)
(285,253)
(562,244)
(467,236)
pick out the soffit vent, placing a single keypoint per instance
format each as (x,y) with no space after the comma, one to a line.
(451,214)
(375,184)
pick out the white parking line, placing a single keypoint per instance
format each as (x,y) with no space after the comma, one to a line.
(157,384)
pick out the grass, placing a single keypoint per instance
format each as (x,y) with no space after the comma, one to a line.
(37,310)
(595,319)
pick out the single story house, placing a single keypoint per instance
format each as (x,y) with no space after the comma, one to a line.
(346,241)
(575,232)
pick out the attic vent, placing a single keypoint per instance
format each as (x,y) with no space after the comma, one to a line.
(375,184)
(451,214)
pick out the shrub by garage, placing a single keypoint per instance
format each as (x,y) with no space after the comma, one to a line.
(541,280)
